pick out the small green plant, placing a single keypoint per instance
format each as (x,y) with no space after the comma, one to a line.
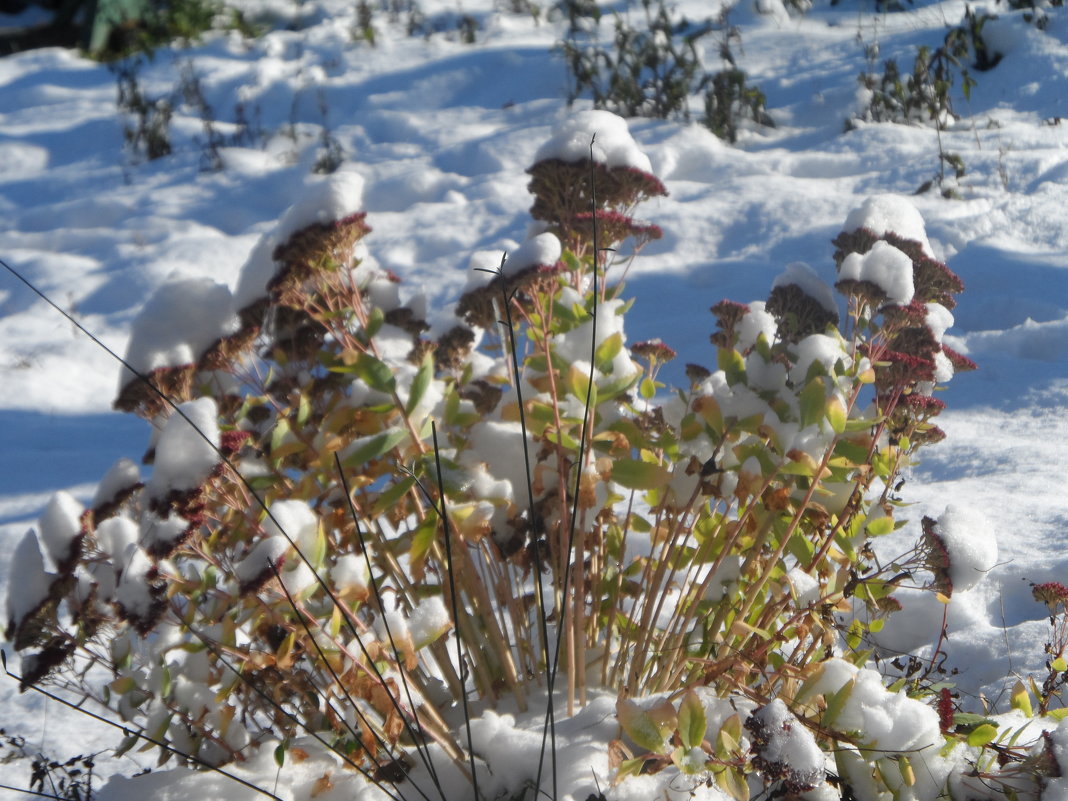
(147,129)
(729,100)
(924,97)
(655,70)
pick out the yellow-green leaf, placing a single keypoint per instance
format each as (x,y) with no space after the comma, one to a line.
(1021,699)
(648,728)
(982,735)
(692,721)
(639,475)
(836,414)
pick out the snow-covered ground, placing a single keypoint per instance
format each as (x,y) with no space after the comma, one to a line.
(442,131)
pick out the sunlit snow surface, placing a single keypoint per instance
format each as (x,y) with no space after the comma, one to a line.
(438,135)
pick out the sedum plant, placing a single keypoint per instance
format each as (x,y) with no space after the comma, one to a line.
(363,520)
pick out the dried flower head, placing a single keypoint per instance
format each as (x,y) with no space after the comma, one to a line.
(797,313)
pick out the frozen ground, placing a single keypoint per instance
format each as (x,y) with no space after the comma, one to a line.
(442,131)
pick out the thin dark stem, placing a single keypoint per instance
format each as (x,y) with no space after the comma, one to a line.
(420,743)
(337,680)
(549,729)
(447,535)
(586,409)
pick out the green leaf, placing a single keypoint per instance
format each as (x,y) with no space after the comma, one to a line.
(365,449)
(689,760)
(880,526)
(647,388)
(836,414)
(648,728)
(607,351)
(1059,664)
(280,753)
(303,410)
(420,383)
(374,322)
(812,400)
(390,496)
(281,431)
(982,735)
(731,362)
(967,722)
(692,721)
(375,373)
(639,475)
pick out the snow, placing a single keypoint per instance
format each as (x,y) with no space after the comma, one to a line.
(29,582)
(59,525)
(612,143)
(971,543)
(178,323)
(323,201)
(186,450)
(889,214)
(808,281)
(437,136)
(542,250)
(886,267)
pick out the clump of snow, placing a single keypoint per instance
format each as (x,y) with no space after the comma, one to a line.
(816,348)
(134,591)
(885,266)
(755,322)
(970,541)
(808,281)
(186,452)
(267,552)
(613,146)
(325,200)
(887,721)
(122,475)
(60,525)
(180,321)
(162,534)
(428,621)
(349,574)
(114,534)
(28,583)
(293,520)
(785,748)
(890,214)
(939,320)
(541,250)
